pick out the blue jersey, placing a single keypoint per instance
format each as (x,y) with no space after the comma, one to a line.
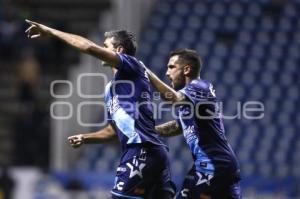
(203,129)
(128,101)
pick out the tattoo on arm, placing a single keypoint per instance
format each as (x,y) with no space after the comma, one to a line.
(168,129)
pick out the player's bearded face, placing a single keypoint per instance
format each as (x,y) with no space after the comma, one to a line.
(175,73)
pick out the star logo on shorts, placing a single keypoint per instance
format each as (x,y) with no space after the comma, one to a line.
(136,169)
(203,177)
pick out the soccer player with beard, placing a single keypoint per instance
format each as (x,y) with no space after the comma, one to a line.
(215,173)
(144,167)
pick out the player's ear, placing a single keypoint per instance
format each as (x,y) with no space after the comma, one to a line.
(120,49)
(187,70)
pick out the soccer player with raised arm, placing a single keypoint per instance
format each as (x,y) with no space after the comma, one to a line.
(215,173)
(144,167)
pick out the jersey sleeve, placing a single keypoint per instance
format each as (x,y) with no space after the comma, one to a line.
(129,64)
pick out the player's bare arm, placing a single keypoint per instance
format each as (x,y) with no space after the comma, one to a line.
(105,135)
(166,91)
(82,44)
(169,129)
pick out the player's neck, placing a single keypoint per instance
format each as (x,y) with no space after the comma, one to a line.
(189,79)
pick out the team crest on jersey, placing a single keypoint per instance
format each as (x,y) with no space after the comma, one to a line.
(203,178)
(136,168)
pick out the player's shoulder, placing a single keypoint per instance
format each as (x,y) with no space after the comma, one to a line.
(199,89)
(125,56)
(128,58)
(130,64)
(199,84)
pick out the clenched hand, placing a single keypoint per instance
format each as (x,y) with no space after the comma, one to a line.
(76,140)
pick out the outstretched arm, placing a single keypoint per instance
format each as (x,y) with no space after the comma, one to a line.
(169,129)
(166,91)
(80,43)
(105,135)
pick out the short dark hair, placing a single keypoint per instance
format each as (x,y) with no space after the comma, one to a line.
(190,57)
(123,38)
